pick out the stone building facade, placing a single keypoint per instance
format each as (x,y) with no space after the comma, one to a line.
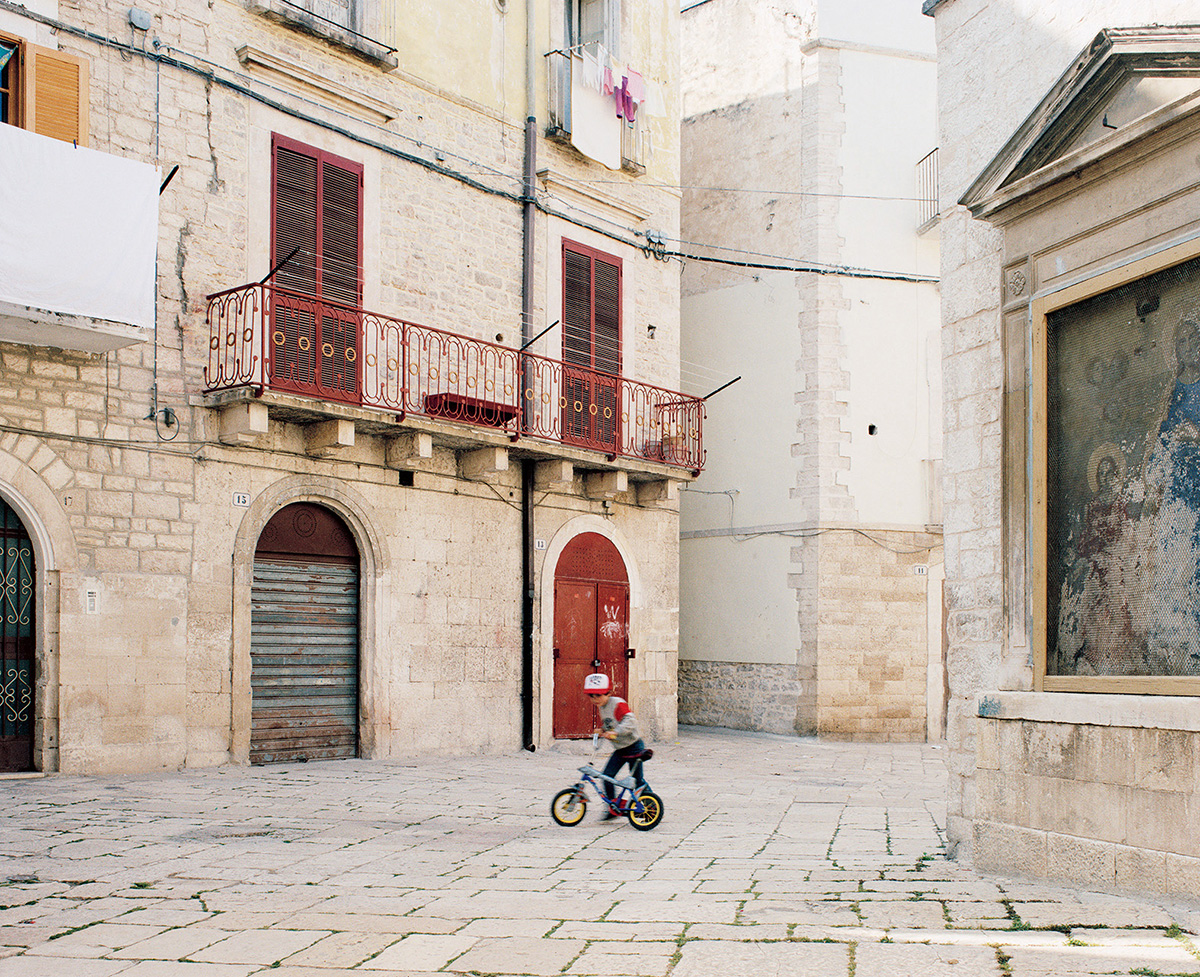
(1069,236)
(325,483)
(810,547)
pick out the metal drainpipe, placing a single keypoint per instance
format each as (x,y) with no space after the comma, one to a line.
(527,219)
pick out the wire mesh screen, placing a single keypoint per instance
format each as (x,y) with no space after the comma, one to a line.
(1123,480)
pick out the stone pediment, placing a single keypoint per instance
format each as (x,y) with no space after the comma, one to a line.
(1127,83)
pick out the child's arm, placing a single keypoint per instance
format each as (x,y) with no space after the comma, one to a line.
(626,732)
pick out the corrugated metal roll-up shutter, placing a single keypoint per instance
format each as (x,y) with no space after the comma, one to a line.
(304,661)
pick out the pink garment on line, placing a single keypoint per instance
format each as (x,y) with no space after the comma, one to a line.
(637,87)
(626,106)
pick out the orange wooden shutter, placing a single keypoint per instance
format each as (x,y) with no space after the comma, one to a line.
(56,94)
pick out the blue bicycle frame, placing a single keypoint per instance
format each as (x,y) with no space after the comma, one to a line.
(626,791)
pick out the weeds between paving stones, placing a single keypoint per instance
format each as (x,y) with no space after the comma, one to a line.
(680,940)
(1016,922)
(1003,961)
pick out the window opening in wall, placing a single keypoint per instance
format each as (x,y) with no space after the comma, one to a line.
(317,209)
(592,344)
(341,13)
(43,90)
(1122,489)
(594,22)
(8,72)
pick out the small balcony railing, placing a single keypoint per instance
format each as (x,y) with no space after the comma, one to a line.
(927,189)
(269,338)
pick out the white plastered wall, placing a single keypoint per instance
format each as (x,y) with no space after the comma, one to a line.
(888,326)
(748,478)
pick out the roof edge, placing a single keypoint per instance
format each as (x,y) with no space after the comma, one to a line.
(1108,51)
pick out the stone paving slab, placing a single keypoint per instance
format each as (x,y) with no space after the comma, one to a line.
(257,946)
(704,958)
(36,965)
(172,944)
(421,951)
(179,968)
(897,960)
(980,937)
(98,940)
(644,959)
(1071,961)
(777,856)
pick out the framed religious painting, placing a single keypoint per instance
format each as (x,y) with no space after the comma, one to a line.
(1116,482)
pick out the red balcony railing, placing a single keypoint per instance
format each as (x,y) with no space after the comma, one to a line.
(273,339)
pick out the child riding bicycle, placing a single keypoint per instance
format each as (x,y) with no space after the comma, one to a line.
(620,727)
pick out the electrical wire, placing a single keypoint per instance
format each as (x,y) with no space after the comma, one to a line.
(790,533)
(843,272)
(699,188)
(797,265)
(743,537)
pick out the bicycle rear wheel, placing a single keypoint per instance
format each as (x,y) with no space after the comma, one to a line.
(568,807)
(646,810)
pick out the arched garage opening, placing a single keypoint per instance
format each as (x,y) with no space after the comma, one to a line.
(304,641)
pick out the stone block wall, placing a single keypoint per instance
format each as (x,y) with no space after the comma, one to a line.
(747,695)
(1111,806)
(872,646)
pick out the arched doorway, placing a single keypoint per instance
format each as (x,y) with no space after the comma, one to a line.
(591,628)
(17,640)
(304,638)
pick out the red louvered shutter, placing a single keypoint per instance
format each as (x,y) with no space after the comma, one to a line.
(317,207)
(591,346)
(606,348)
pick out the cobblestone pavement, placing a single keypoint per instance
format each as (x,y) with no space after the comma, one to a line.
(776,857)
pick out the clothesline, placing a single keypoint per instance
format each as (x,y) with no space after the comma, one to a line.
(629,90)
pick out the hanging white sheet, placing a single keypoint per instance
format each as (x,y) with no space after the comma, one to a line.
(595,128)
(78,229)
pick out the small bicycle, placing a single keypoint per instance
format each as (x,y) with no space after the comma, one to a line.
(641,805)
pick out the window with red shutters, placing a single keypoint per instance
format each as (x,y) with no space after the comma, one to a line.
(316,207)
(591,346)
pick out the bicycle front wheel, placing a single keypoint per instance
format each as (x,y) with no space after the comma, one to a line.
(645,810)
(568,807)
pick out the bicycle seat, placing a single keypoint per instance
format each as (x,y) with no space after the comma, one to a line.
(643,756)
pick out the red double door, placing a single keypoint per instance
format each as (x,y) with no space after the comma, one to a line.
(591,629)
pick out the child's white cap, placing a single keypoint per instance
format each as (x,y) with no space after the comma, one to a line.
(597,684)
